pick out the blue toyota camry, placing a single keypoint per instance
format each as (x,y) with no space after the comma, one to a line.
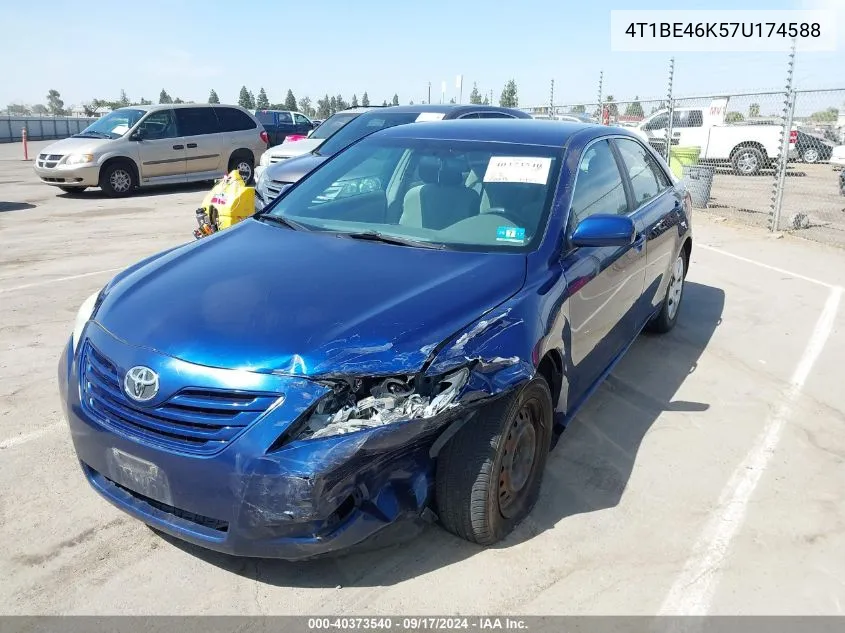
(403,333)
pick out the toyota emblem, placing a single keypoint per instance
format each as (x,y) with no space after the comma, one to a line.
(141,383)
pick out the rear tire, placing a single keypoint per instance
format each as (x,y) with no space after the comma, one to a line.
(668,315)
(489,474)
(118,180)
(748,161)
(245,164)
(811,155)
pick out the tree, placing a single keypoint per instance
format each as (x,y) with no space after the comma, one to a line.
(124,100)
(178,100)
(754,110)
(365,100)
(290,101)
(145,101)
(411,102)
(333,105)
(354,103)
(55,103)
(212,97)
(831,115)
(18,109)
(395,100)
(262,103)
(486,100)
(163,97)
(39,109)
(324,107)
(384,103)
(734,117)
(635,108)
(475,96)
(509,98)
(452,100)
(305,107)
(579,109)
(340,103)
(251,100)
(243,98)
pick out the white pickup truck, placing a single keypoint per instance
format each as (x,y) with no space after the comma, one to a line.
(747,147)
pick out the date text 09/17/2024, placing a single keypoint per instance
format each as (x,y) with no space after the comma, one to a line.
(417,623)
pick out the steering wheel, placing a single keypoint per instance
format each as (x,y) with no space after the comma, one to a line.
(503,213)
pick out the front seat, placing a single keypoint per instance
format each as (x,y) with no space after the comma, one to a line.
(442,199)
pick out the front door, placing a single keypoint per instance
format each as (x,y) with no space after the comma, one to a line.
(301,123)
(203,142)
(605,283)
(161,150)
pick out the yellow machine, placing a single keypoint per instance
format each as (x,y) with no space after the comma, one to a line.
(229,202)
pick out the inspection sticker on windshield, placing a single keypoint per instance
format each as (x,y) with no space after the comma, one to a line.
(518,169)
(120,129)
(513,234)
(430,116)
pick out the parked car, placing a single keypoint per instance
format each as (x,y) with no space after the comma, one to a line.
(837,157)
(282,123)
(812,149)
(276,177)
(411,349)
(748,148)
(289,149)
(152,145)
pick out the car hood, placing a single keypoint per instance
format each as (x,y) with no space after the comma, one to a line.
(293,169)
(296,148)
(259,297)
(75,146)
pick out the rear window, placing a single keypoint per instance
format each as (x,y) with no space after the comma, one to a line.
(233,120)
(266,118)
(362,126)
(333,124)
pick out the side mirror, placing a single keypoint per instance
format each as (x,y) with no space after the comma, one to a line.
(604,230)
(139,134)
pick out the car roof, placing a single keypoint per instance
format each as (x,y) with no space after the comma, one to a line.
(162,106)
(527,132)
(452,110)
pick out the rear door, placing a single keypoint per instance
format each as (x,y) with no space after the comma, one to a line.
(161,152)
(606,282)
(657,212)
(203,141)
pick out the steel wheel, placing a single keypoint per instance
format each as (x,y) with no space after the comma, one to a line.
(676,288)
(520,450)
(811,155)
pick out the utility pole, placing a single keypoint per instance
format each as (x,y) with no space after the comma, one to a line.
(601,106)
(429,93)
(552,101)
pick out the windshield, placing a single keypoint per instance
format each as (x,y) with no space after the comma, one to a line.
(333,124)
(114,124)
(463,195)
(362,126)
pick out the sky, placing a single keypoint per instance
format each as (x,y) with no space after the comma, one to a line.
(380,46)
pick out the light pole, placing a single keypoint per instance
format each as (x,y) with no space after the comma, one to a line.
(429,93)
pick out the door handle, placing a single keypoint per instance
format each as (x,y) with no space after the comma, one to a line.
(192,144)
(178,147)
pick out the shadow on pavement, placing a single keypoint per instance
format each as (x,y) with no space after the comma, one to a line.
(146,192)
(15,206)
(588,470)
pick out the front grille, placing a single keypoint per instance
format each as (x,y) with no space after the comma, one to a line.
(194,420)
(214,524)
(48,160)
(273,188)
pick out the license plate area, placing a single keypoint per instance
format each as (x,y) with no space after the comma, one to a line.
(139,475)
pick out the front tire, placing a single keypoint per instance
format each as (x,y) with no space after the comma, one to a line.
(668,315)
(489,474)
(118,180)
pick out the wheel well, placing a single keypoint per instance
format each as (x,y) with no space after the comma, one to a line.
(123,161)
(753,144)
(242,152)
(551,368)
(686,249)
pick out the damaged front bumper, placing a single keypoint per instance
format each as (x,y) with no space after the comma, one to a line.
(293,499)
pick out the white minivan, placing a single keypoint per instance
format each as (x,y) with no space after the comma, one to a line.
(139,146)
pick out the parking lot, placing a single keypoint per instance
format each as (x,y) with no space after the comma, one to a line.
(705,476)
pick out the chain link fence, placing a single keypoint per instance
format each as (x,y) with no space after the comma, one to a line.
(729,149)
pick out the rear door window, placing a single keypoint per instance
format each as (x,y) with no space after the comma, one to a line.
(197,121)
(233,120)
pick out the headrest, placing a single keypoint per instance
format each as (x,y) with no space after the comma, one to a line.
(429,169)
(451,174)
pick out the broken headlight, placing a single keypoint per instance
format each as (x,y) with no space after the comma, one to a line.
(359,403)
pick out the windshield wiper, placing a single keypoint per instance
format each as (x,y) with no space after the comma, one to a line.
(282,221)
(91,133)
(375,236)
